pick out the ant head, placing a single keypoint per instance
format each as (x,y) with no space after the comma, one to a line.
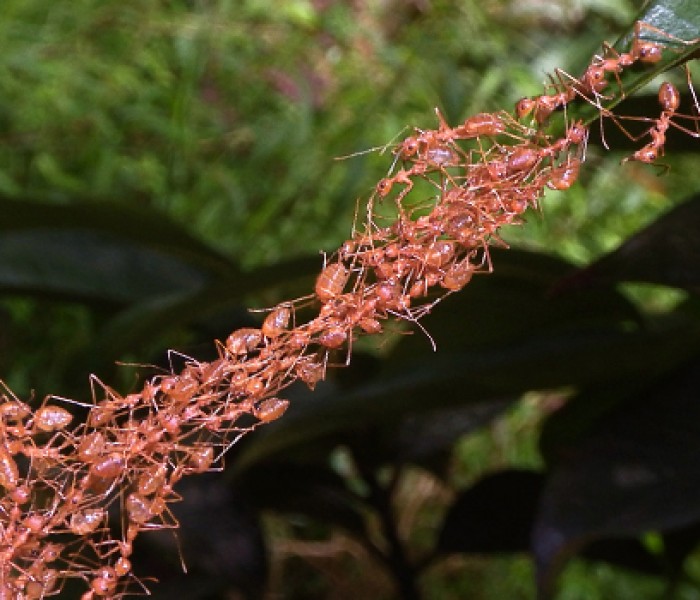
(649,52)
(594,78)
(524,107)
(384,187)
(577,133)
(647,155)
(409,147)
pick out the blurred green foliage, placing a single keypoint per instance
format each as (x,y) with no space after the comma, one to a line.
(227,116)
(222,122)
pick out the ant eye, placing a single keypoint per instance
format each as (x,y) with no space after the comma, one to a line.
(597,74)
(410,146)
(650,53)
(523,107)
(384,187)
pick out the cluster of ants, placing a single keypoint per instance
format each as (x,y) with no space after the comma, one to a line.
(63,484)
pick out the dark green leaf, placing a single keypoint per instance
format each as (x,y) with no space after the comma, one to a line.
(667,252)
(516,303)
(628,553)
(637,471)
(100,252)
(494,515)
(445,379)
(139,323)
(503,336)
(313,490)
(214,519)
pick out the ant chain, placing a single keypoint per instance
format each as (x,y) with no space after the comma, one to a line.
(60,479)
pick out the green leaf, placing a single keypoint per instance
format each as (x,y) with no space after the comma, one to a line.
(516,305)
(311,489)
(506,334)
(677,22)
(636,472)
(494,515)
(139,323)
(667,252)
(100,252)
(447,379)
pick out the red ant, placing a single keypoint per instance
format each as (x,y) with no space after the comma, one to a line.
(435,150)
(641,51)
(489,125)
(543,106)
(593,81)
(669,99)
(564,176)
(576,134)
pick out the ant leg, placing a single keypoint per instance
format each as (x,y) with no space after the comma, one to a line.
(382,149)
(617,120)
(640,25)
(690,132)
(691,87)
(578,88)
(443,126)
(608,50)
(695,108)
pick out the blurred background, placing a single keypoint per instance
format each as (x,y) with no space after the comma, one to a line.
(166,165)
